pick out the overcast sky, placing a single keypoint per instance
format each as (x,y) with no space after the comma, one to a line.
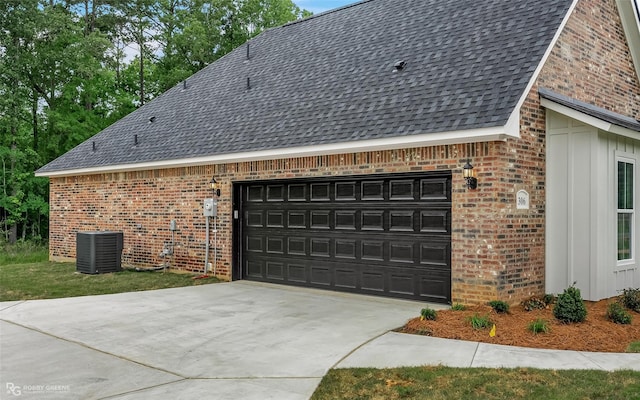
(318,6)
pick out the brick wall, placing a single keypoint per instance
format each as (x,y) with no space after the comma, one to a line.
(497,250)
(590,62)
(141,204)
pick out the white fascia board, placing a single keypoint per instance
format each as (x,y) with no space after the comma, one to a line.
(590,120)
(515,114)
(499,133)
(630,16)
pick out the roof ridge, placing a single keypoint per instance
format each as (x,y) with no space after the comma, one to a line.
(322,14)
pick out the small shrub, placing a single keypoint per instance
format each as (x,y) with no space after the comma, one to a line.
(458,307)
(428,313)
(534,303)
(478,322)
(617,314)
(538,326)
(549,299)
(631,299)
(570,306)
(499,306)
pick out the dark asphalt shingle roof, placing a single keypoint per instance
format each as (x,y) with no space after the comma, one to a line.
(590,109)
(330,79)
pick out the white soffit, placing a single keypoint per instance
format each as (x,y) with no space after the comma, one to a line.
(499,133)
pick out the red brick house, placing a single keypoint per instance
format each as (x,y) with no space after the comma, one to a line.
(339,143)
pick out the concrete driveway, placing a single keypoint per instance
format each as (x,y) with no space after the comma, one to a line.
(237,340)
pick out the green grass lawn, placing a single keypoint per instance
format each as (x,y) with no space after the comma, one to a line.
(477,383)
(634,347)
(23,252)
(49,280)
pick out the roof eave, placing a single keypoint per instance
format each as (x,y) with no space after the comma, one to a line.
(589,119)
(499,133)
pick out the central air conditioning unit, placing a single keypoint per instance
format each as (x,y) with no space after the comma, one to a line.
(98,252)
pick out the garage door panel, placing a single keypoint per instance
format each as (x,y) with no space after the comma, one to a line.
(346,278)
(372,190)
(320,275)
(372,220)
(275,192)
(255,218)
(401,221)
(346,249)
(320,219)
(297,246)
(435,285)
(275,219)
(345,219)
(372,250)
(320,192)
(402,283)
(435,189)
(254,244)
(296,273)
(345,191)
(389,236)
(401,252)
(435,254)
(435,220)
(373,280)
(320,247)
(275,245)
(255,193)
(254,269)
(275,270)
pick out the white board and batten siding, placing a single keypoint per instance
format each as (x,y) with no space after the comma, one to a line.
(581,209)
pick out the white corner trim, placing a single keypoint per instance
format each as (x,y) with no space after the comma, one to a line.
(499,133)
(512,127)
(589,120)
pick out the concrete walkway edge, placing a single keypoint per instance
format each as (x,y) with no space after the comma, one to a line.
(393,350)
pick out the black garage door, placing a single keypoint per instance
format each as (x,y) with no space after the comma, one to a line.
(382,235)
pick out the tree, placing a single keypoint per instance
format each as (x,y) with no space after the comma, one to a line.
(64,75)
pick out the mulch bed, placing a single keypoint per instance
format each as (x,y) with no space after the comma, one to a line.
(596,333)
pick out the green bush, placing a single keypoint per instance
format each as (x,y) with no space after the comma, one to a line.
(428,313)
(549,299)
(499,306)
(631,299)
(538,326)
(570,306)
(458,307)
(534,303)
(617,314)
(478,322)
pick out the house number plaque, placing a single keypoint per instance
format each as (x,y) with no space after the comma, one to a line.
(522,200)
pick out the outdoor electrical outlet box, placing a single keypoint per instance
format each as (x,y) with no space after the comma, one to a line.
(210,208)
(173,226)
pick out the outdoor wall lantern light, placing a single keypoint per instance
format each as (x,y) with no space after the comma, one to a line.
(469,175)
(215,187)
